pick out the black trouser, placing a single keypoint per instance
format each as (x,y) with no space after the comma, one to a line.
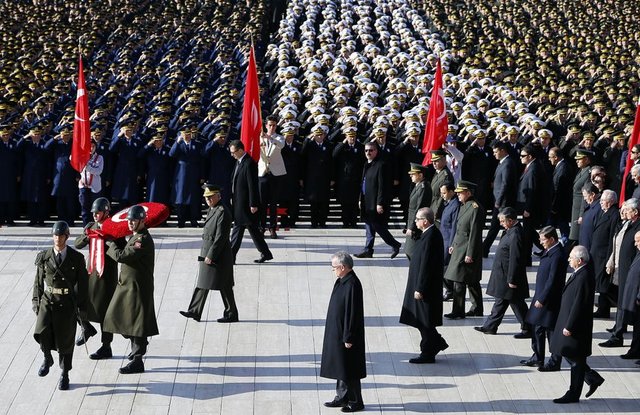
(319,212)
(634,349)
(291,201)
(258,239)
(349,212)
(349,391)
(431,341)
(86,198)
(381,229)
(66,207)
(199,298)
(581,373)
(269,189)
(620,327)
(7,212)
(529,238)
(459,295)
(519,307)
(538,343)
(138,346)
(64,359)
(105,337)
(189,211)
(37,212)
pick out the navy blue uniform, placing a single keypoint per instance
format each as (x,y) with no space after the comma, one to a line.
(9,169)
(158,169)
(185,192)
(126,173)
(220,166)
(36,176)
(65,180)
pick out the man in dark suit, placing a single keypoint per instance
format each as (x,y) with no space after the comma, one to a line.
(465,266)
(448,229)
(630,302)
(316,177)
(532,199)
(562,180)
(508,281)
(245,202)
(376,197)
(422,306)
(546,300)
(216,266)
(420,197)
(592,212)
(627,253)
(343,349)
(505,184)
(348,162)
(604,230)
(574,328)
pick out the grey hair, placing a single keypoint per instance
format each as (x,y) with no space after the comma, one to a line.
(343,258)
(580,252)
(631,203)
(609,196)
(427,212)
(635,170)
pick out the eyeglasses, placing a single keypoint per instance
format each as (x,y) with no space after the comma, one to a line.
(369,150)
(524,155)
(335,267)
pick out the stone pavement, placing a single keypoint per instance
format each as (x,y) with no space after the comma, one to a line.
(268,363)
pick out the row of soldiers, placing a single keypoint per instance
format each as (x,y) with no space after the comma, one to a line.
(65,294)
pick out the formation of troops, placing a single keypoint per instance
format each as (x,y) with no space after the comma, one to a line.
(540,105)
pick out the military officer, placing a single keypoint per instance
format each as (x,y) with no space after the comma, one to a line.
(103,278)
(420,197)
(442,176)
(59,297)
(216,259)
(131,311)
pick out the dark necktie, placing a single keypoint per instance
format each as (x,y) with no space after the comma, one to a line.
(59,259)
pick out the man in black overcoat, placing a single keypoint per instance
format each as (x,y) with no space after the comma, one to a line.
(420,197)
(508,280)
(245,202)
(505,184)
(343,349)
(573,333)
(216,266)
(422,306)
(561,193)
(604,229)
(348,161)
(317,174)
(375,201)
(630,302)
(545,303)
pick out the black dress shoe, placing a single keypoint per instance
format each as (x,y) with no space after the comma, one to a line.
(44,367)
(364,254)
(63,383)
(134,366)
(549,368)
(454,316)
(103,352)
(593,387)
(423,359)
(531,363)
(395,252)
(524,334)
(228,319)
(567,398)
(189,314)
(601,314)
(485,330)
(611,329)
(83,338)
(611,343)
(352,407)
(473,313)
(637,362)
(336,403)
(630,355)
(447,297)
(263,258)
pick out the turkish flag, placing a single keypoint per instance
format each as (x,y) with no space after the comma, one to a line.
(635,139)
(437,123)
(251,116)
(81,146)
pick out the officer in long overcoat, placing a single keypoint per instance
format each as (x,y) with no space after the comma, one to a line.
(59,298)
(131,311)
(187,178)
(127,175)
(158,168)
(216,259)
(422,305)
(35,177)
(343,348)
(10,170)
(348,161)
(101,285)
(573,333)
(465,265)
(65,185)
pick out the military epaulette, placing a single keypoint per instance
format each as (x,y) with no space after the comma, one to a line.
(40,259)
(475,205)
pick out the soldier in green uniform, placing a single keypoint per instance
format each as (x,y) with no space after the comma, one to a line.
(101,285)
(59,297)
(420,197)
(131,311)
(465,265)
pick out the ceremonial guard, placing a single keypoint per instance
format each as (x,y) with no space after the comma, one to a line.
(59,300)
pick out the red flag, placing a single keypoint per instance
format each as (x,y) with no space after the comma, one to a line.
(436,129)
(81,146)
(251,116)
(635,139)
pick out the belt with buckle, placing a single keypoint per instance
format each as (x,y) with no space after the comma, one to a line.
(57,291)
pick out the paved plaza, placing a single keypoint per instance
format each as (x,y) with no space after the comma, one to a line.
(268,363)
